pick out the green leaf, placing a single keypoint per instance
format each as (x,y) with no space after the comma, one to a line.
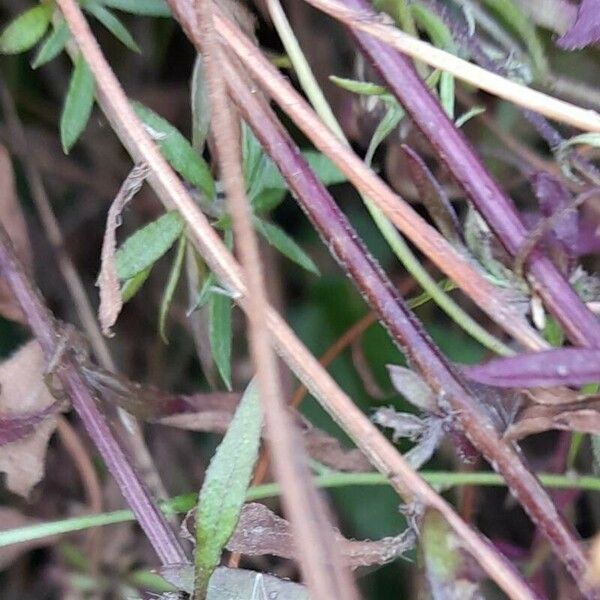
(467,116)
(177,150)
(26,30)
(224,489)
(143,248)
(219,333)
(254,162)
(132,285)
(266,200)
(389,122)
(148,8)
(53,45)
(280,240)
(78,104)
(172,282)
(365,88)
(113,24)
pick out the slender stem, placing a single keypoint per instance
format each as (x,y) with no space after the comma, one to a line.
(181,504)
(393,238)
(47,333)
(313,534)
(579,323)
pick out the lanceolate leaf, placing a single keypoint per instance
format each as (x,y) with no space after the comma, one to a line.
(26,30)
(172,282)
(586,29)
(131,286)
(53,45)
(280,240)
(142,249)
(224,489)
(177,150)
(78,104)
(219,334)
(113,24)
(149,8)
(564,366)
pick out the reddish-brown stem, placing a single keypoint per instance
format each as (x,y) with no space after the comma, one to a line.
(453,395)
(47,332)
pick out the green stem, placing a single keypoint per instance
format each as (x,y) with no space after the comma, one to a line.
(184,503)
(390,233)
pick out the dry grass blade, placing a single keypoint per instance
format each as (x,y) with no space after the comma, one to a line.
(428,239)
(379,451)
(381,28)
(318,554)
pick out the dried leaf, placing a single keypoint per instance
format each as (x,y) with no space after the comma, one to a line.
(328,451)
(13,428)
(23,391)
(11,218)
(111,300)
(413,388)
(586,29)
(260,531)
(433,196)
(579,416)
(563,366)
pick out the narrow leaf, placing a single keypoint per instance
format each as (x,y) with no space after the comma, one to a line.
(267,200)
(113,24)
(219,334)
(148,8)
(78,104)
(358,87)
(53,45)
(172,282)
(224,489)
(281,241)
(131,286)
(200,106)
(26,30)
(142,249)
(564,366)
(177,150)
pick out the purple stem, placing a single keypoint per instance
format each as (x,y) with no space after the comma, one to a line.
(497,208)
(47,332)
(406,331)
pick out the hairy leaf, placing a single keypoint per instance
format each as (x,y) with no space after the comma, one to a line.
(224,489)
(177,150)
(25,30)
(53,45)
(142,249)
(78,104)
(281,241)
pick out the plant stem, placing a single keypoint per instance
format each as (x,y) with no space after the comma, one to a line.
(48,335)
(181,504)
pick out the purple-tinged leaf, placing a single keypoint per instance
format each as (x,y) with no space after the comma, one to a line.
(16,427)
(586,29)
(564,366)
